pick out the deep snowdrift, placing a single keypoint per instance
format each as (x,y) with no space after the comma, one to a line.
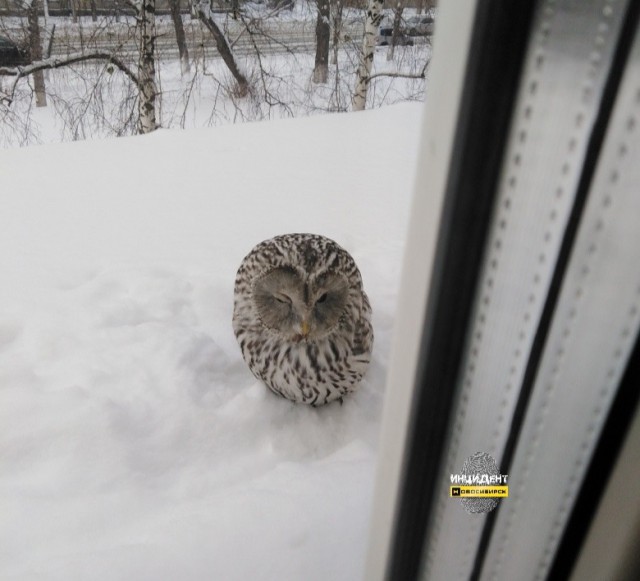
(134,442)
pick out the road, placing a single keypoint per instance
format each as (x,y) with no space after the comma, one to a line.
(268,36)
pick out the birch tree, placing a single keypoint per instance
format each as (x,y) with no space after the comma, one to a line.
(146,35)
(363,78)
(143,76)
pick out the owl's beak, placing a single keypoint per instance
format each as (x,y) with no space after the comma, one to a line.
(305,328)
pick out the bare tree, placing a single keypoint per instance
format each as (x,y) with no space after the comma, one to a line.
(372,21)
(337,8)
(94,10)
(183,51)
(35,47)
(426,5)
(74,10)
(90,99)
(146,34)
(235,9)
(323,30)
(144,78)
(397,21)
(203,11)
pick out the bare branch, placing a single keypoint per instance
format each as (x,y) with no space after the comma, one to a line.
(252,26)
(64,61)
(398,75)
(420,75)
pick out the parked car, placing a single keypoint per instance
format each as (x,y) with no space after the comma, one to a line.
(11,55)
(419,25)
(385,34)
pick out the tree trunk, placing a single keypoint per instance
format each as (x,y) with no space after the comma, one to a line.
(397,19)
(205,15)
(235,9)
(336,21)
(146,33)
(372,21)
(35,45)
(50,42)
(174,5)
(323,31)
(94,10)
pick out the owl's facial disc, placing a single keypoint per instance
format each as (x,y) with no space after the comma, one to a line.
(300,308)
(276,297)
(330,292)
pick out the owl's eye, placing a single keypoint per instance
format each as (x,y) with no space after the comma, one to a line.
(282,298)
(322,298)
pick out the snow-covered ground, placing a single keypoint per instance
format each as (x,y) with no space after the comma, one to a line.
(134,442)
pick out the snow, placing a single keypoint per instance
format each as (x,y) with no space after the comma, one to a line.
(134,442)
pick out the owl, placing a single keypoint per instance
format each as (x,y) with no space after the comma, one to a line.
(302,318)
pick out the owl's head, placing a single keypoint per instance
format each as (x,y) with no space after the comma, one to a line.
(300,307)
